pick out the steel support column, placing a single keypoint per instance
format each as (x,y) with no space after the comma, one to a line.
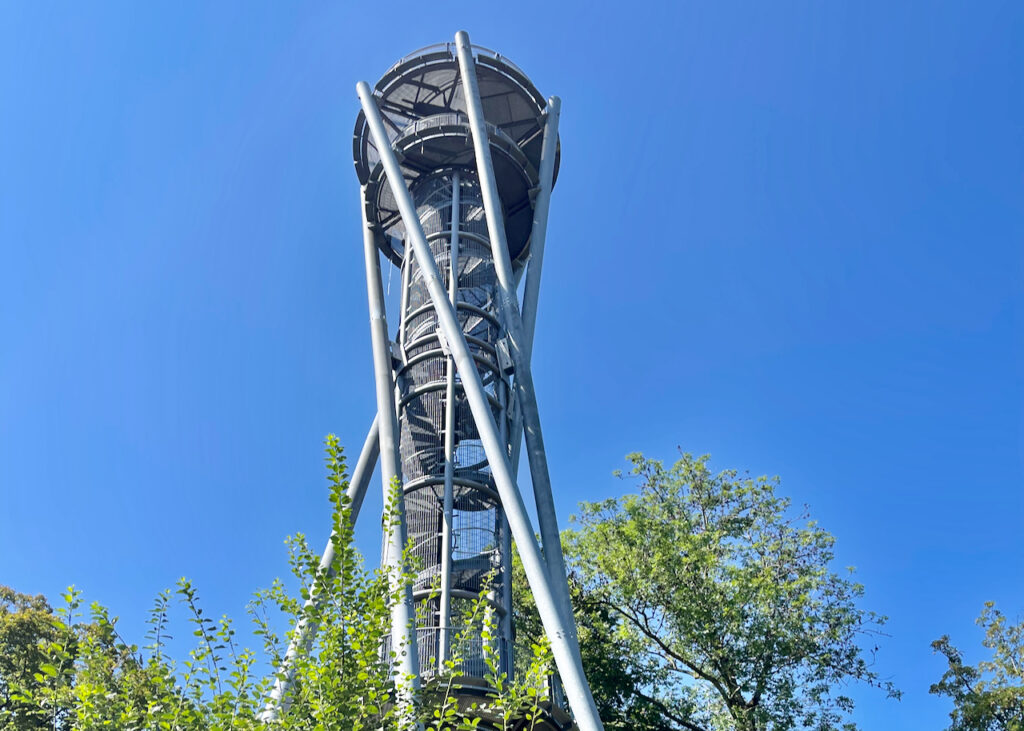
(539,231)
(531,296)
(525,392)
(444,649)
(538,237)
(403,629)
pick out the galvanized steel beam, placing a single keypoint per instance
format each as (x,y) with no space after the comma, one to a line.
(528,408)
(539,231)
(403,628)
(444,642)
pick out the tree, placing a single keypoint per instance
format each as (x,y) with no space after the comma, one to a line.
(37,651)
(616,681)
(722,602)
(988,696)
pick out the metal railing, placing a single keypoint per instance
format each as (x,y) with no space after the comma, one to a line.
(450,49)
(468,648)
(449,118)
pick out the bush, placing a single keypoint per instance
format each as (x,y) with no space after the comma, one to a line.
(83,675)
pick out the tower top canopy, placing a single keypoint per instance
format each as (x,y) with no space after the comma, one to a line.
(426,83)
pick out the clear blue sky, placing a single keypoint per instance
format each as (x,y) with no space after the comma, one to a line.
(788,235)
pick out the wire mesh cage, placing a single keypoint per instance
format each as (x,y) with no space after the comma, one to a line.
(478,560)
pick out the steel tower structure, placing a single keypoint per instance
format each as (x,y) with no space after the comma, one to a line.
(456,153)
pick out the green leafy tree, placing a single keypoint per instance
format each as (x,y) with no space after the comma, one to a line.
(37,652)
(988,696)
(618,682)
(721,602)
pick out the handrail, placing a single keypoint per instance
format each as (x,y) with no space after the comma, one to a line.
(453,118)
(450,49)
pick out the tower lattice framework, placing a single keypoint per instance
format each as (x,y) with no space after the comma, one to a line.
(456,153)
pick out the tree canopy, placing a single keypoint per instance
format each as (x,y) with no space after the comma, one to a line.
(33,640)
(710,604)
(988,696)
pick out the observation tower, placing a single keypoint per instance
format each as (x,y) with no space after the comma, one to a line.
(456,153)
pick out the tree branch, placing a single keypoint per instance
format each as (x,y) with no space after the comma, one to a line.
(664,710)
